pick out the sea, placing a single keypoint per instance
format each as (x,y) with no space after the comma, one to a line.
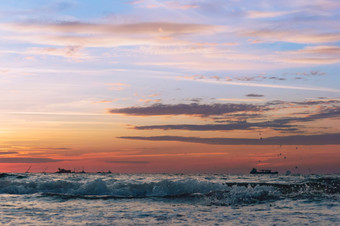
(168,199)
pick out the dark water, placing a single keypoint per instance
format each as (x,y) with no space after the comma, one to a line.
(144,199)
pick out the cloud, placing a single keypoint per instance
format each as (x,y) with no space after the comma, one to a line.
(307,74)
(256,78)
(149,100)
(250,84)
(325,4)
(146,28)
(203,110)
(53,148)
(324,50)
(281,124)
(67,52)
(317,102)
(325,109)
(8,152)
(292,36)
(87,35)
(117,86)
(177,5)
(28,160)
(250,78)
(164,4)
(263,14)
(241,99)
(92,40)
(276,78)
(314,55)
(104,35)
(314,73)
(129,162)
(254,95)
(323,139)
(53,113)
(313,60)
(216,127)
(324,114)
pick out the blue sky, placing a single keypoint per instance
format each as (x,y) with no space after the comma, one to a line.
(82,71)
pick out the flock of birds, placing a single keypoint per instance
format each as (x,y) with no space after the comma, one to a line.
(280,154)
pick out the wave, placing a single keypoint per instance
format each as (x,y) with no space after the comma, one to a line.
(216,192)
(324,185)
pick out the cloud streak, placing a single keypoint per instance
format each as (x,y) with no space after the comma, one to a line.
(203,110)
(103,35)
(247,84)
(313,54)
(216,127)
(254,95)
(67,52)
(279,124)
(28,160)
(323,139)
(129,162)
(268,14)
(92,28)
(8,152)
(292,36)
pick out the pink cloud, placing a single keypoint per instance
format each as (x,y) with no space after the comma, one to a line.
(293,36)
(118,86)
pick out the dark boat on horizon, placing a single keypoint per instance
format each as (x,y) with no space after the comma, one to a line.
(254,171)
(63,171)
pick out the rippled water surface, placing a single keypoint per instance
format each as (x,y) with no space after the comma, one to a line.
(168,199)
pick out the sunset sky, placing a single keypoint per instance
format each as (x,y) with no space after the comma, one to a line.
(153,86)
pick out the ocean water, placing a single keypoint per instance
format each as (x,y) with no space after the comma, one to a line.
(168,199)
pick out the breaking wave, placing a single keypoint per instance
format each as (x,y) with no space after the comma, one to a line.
(211,190)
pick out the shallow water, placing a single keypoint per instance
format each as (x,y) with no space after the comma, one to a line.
(150,199)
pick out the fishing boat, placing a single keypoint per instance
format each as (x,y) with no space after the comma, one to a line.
(254,171)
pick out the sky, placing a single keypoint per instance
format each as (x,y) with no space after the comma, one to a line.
(169,86)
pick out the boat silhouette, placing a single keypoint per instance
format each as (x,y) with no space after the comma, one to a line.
(254,171)
(60,170)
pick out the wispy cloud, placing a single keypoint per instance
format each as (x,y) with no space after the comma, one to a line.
(117,86)
(28,160)
(128,162)
(292,36)
(218,127)
(67,52)
(53,113)
(313,55)
(163,4)
(8,152)
(92,28)
(149,100)
(104,35)
(266,14)
(185,109)
(247,84)
(254,95)
(240,99)
(280,124)
(243,118)
(307,74)
(323,139)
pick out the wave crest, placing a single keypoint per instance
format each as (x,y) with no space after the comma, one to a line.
(214,191)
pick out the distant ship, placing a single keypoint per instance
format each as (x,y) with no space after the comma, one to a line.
(63,171)
(254,171)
